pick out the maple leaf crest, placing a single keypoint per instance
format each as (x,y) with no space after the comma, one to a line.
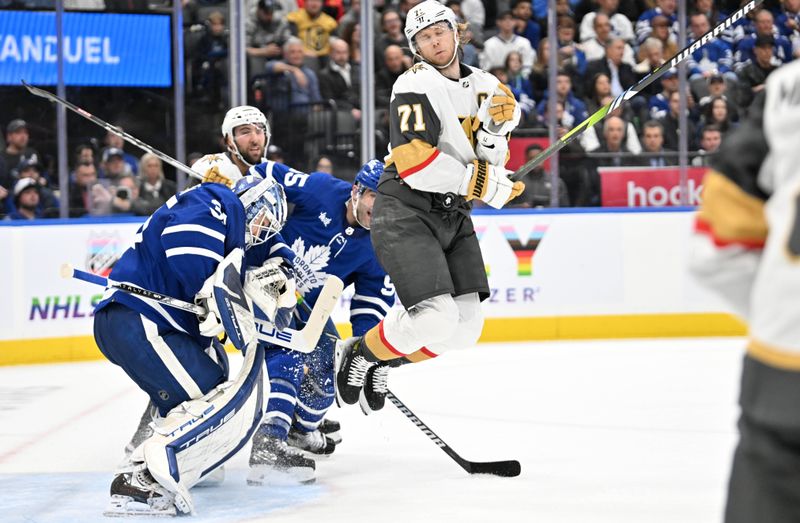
(309,265)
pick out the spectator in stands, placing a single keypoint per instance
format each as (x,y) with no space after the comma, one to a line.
(210,63)
(568,50)
(154,189)
(670,122)
(474,13)
(84,152)
(304,82)
(523,24)
(265,35)
(653,142)
(713,58)
(497,47)
(708,8)
(394,64)
(114,164)
(26,200)
(340,80)
(710,140)
(620,73)
(645,24)
(18,145)
(302,86)
(599,89)
(788,23)
(765,28)
(662,31)
(717,112)
(591,139)
(48,203)
(6,183)
(572,104)
(114,140)
(324,164)
(614,142)
(314,28)
(752,76)
(717,87)
(353,38)
(275,154)
(619,24)
(80,190)
(538,186)
(519,84)
(595,47)
(391,34)
(651,54)
(539,73)
(659,103)
(124,196)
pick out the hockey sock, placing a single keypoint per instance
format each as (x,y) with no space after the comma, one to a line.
(280,408)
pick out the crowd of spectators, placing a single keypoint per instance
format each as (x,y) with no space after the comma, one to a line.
(304,61)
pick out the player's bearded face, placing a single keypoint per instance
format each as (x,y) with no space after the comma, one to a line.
(364,208)
(251,141)
(436,43)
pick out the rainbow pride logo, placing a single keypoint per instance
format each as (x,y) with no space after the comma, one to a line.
(524,251)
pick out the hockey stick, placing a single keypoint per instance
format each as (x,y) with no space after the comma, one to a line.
(509,469)
(303,340)
(632,91)
(111,128)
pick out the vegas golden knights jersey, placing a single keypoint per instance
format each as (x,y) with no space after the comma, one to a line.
(747,241)
(431,126)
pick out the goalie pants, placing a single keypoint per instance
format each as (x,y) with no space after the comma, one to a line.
(301,387)
(765,478)
(169,365)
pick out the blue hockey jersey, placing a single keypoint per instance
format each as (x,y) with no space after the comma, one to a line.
(177,249)
(324,243)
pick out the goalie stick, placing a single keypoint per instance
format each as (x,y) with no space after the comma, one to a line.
(508,469)
(303,340)
(632,91)
(112,128)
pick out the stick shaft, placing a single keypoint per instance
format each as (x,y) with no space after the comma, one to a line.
(112,128)
(632,91)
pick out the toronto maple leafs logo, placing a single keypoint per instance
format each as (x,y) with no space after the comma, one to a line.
(309,265)
(323,217)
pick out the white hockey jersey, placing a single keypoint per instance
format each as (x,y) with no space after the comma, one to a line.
(219,161)
(431,126)
(747,241)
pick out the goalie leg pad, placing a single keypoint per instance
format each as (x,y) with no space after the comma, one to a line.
(199,435)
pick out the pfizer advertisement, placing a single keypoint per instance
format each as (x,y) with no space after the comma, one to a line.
(99,49)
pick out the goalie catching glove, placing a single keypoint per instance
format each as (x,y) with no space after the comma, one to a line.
(490,184)
(272,288)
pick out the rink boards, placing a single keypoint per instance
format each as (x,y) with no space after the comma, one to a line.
(553,275)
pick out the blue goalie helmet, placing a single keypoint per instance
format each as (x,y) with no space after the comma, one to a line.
(368,176)
(264,205)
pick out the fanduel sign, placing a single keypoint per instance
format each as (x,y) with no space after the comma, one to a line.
(99,49)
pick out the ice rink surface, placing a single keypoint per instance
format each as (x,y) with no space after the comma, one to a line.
(638,431)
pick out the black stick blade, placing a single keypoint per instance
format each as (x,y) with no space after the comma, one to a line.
(506,469)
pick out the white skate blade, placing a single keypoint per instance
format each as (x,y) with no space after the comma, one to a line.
(125,506)
(259,476)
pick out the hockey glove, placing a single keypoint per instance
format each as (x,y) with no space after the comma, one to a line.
(272,288)
(213,175)
(499,114)
(491,147)
(490,184)
(210,323)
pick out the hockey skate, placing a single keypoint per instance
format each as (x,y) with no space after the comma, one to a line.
(351,369)
(273,462)
(331,429)
(376,385)
(136,493)
(314,444)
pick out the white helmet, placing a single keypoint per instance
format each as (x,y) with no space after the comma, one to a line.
(424,14)
(242,115)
